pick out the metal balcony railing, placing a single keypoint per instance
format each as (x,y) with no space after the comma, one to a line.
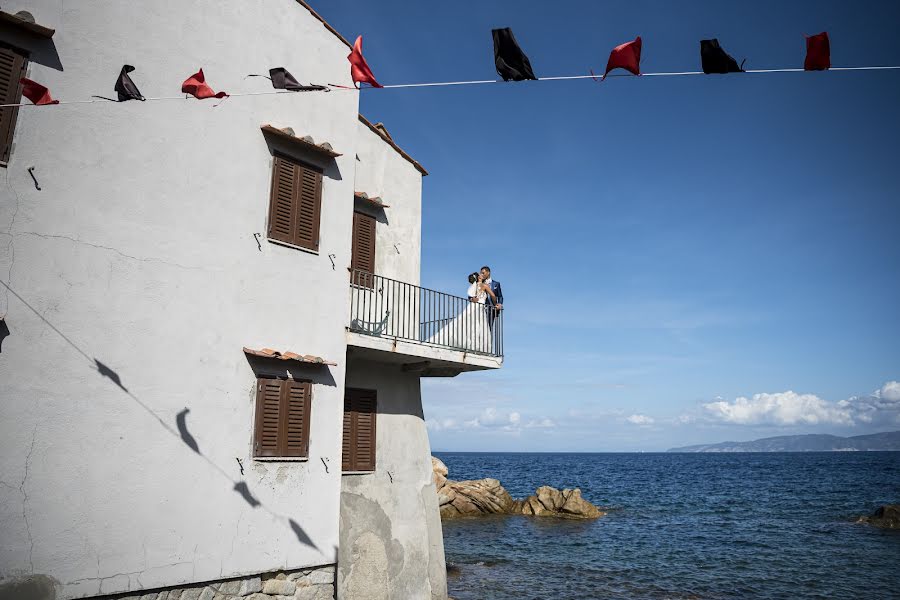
(388,308)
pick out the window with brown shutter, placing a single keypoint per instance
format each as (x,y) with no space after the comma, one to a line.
(12,69)
(282,418)
(358,445)
(295,203)
(362,256)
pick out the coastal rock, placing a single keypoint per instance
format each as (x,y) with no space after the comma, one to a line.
(438,466)
(886,517)
(476,497)
(487,496)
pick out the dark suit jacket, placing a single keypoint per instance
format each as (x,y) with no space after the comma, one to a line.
(495,287)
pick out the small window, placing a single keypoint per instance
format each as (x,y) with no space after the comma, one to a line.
(362,256)
(282,418)
(12,69)
(295,204)
(358,444)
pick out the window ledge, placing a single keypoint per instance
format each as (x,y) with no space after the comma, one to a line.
(357,472)
(281,458)
(294,246)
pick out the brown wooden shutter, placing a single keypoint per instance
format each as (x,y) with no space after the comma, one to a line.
(12,68)
(365,431)
(295,203)
(281,204)
(282,418)
(347,439)
(296,417)
(362,257)
(268,404)
(309,203)
(358,445)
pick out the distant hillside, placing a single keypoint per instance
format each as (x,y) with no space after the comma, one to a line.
(804,443)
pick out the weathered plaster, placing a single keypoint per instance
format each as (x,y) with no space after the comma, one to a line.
(135,281)
(392,512)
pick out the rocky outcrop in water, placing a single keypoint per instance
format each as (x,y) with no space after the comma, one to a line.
(488,497)
(886,517)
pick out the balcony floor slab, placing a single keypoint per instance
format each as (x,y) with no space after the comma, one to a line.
(429,361)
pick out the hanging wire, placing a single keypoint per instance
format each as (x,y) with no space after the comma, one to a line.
(453,83)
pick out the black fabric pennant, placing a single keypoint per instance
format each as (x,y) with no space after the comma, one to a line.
(715,60)
(125,87)
(511,62)
(283,80)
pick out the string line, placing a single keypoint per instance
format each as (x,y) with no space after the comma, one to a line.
(454,83)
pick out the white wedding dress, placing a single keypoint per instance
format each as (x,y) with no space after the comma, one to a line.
(470,329)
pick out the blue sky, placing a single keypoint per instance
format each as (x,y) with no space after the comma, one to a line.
(684,260)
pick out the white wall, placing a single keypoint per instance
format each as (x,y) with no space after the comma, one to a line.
(382,171)
(391,540)
(139,252)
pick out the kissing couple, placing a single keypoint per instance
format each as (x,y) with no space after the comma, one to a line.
(484,290)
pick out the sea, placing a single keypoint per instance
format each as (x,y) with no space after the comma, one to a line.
(682,526)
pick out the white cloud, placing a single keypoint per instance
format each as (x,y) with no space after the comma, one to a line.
(642,420)
(783,408)
(491,418)
(889,391)
(440,424)
(544,423)
(791,408)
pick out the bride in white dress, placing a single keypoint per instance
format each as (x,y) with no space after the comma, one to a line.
(470,330)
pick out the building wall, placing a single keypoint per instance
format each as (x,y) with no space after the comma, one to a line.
(382,171)
(391,546)
(126,407)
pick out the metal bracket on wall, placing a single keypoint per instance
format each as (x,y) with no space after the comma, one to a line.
(33,178)
(256,237)
(332,257)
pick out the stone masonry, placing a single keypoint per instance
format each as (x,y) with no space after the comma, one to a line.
(316,583)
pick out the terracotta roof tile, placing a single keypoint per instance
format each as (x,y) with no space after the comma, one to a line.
(375,200)
(287,134)
(287,355)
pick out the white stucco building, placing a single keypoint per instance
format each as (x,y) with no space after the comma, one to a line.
(153,256)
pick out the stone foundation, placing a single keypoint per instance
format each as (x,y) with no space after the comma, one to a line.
(315,583)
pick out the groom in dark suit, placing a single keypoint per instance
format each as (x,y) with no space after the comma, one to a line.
(497,304)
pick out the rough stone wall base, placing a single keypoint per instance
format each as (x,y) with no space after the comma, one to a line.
(315,583)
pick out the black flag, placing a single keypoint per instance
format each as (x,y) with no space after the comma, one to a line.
(715,60)
(125,87)
(283,80)
(512,64)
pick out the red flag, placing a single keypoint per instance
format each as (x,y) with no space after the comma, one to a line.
(36,92)
(818,52)
(359,68)
(626,56)
(195,85)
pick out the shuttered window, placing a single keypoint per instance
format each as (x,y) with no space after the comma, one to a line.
(362,258)
(358,446)
(282,418)
(12,69)
(295,204)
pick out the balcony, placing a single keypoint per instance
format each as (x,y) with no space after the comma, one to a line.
(429,332)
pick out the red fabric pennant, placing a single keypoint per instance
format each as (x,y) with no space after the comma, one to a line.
(196,86)
(36,92)
(818,52)
(359,68)
(625,56)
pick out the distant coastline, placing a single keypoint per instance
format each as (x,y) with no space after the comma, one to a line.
(876,442)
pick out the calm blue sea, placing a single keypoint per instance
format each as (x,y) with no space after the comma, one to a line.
(683,526)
